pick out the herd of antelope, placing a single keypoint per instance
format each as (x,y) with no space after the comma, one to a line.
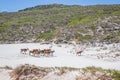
(37,52)
(44,52)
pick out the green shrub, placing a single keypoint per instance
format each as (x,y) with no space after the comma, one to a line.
(86,37)
(45,36)
(93,26)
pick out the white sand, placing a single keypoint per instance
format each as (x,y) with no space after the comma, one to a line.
(4,74)
(10,55)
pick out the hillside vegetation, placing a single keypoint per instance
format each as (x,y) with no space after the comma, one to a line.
(61,22)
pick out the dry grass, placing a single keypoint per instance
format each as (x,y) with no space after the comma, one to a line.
(6,67)
(31,72)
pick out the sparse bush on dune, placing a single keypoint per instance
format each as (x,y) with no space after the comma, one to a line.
(30,72)
(105,74)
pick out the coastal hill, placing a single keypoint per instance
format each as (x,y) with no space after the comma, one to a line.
(96,23)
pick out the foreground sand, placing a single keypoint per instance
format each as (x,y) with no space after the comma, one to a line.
(31,72)
(4,74)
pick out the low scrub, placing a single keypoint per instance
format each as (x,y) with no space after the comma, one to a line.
(31,72)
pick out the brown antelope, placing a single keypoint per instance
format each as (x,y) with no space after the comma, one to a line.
(47,52)
(34,52)
(79,53)
(37,52)
(24,50)
(31,52)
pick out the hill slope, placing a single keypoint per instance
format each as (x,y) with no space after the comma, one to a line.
(61,22)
